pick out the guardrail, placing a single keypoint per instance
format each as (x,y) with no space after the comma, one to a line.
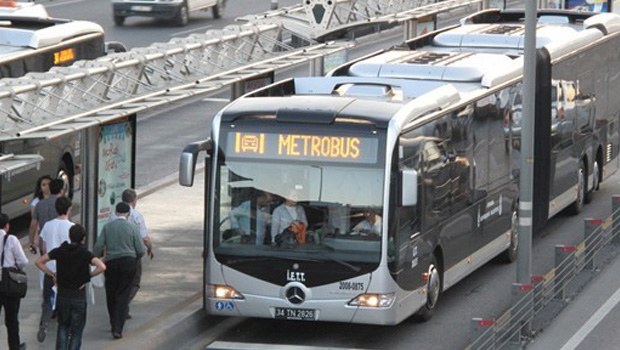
(574,265)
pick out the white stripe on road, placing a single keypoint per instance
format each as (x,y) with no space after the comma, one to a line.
(191,30)
(598,316)
(214,99)
(63,3)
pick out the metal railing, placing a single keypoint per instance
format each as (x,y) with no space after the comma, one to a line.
(66,99)
(513,328)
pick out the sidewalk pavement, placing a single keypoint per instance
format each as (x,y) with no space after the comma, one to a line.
(169,302)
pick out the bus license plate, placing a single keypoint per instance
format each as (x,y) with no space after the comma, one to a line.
(141,8)
(285,313)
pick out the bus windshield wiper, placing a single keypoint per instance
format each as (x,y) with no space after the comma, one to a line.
(269,258)
(341,262)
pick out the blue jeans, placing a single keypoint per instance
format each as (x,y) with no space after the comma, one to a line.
(71,313)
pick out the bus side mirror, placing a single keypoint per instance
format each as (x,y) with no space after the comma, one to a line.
(187,165)
(409,189)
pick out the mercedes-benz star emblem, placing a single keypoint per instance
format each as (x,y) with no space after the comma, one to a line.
(295,295)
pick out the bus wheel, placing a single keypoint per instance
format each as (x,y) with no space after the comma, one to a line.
(510,254)
(218,9)
(182,18)
(119,20)
(433,289)
(595,182)
(577,205)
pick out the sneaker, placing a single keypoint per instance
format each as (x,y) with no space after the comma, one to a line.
(116,335)
(22,346)
(41,334)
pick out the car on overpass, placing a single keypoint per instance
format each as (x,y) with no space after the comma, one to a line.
(175,10)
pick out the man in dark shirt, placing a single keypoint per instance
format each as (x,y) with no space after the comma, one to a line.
(73,262)
(122,244)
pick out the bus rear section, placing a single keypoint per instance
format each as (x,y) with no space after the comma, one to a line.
(32,44)
(31,41)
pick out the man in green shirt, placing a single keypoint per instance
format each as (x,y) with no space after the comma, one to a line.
(120,244)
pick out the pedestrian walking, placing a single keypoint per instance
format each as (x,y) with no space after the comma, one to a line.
(53,234)
(72,272)
(41,191)
(130,196)
(45,210)
(123,246)
(13,256)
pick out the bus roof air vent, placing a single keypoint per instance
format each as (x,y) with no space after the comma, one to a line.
(366,90)
(495,36)
(429,57)
(462,67)
(503,29)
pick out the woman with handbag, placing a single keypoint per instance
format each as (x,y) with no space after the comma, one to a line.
(12,256)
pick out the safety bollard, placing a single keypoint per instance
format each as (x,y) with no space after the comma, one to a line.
(538,301)
(483,334)
(522,312)
(592,235)
(615,217)
(564,266)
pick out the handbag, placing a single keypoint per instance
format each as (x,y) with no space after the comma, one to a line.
(14,280)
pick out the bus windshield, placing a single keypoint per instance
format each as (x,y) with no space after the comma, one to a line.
(288,206)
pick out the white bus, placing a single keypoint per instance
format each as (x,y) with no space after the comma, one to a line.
(363,195)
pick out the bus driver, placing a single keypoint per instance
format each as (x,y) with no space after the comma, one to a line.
(370,225)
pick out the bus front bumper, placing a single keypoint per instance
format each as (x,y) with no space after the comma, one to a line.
(319,310)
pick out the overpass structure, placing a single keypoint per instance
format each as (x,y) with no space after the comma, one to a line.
(67,99)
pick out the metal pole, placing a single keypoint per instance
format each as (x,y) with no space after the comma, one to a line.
(524,258)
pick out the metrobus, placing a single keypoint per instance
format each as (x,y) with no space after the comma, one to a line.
(426,136)
(31,41)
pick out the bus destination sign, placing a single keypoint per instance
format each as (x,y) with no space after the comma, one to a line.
(330,148)
(64,56)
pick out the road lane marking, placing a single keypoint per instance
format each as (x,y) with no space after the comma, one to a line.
(215,99)
(62,3)
(191,30)
(589,326)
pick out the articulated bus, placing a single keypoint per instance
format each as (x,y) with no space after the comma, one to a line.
(361,196)
(31,41)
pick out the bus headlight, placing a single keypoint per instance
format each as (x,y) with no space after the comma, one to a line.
(373,300)
(220,291)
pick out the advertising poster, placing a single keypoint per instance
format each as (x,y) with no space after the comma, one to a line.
(114,169)
(334,60)
(588,5)
(425,26)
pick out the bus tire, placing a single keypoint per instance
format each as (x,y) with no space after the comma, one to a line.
(577,205)
(433,290)
(595,182)
(218,9)
(510,254)
(182,17)
(119,20)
